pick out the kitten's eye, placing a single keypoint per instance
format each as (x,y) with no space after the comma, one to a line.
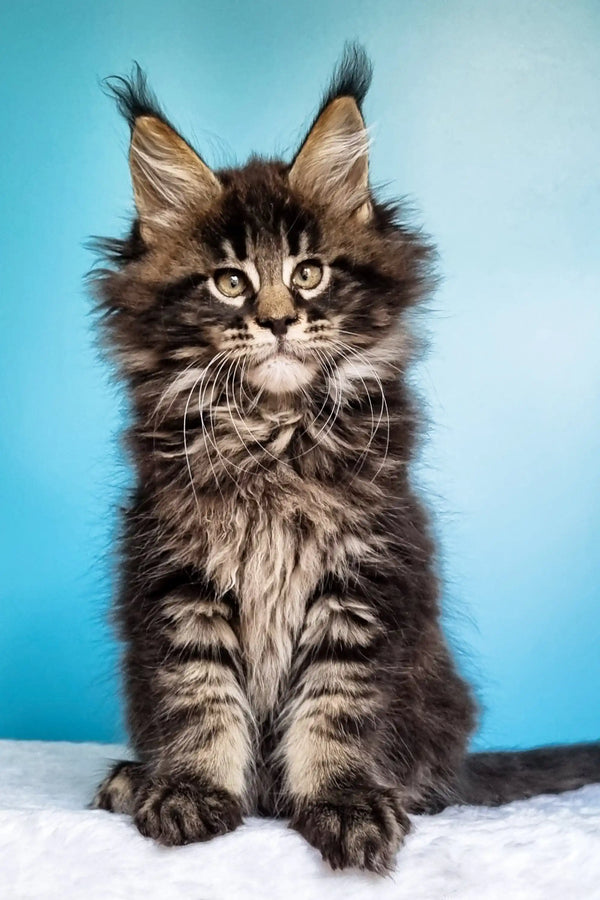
(307,275)
(231,282)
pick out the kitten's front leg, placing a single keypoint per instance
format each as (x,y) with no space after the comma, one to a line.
(341,801)
(191,784)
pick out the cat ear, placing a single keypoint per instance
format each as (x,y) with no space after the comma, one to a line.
(168,176)
(332,166)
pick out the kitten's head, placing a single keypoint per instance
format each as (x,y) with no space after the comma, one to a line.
(285,271)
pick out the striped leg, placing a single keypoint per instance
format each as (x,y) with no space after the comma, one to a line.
(341,803)
(197,760)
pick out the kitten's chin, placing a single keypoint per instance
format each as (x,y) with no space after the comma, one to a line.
(281,375)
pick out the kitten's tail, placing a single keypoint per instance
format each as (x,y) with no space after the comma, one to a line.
(491,779)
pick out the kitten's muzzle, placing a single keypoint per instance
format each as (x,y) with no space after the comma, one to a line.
(278,326)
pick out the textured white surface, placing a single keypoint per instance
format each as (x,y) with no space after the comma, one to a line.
(51,846)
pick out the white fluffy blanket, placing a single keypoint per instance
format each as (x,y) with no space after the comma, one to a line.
(51,846)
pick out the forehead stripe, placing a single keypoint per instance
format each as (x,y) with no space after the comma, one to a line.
(236,236)
(292,234)
(294,222)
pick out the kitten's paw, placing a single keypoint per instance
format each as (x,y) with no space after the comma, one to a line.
(361,828)
(182,811)
(117,791)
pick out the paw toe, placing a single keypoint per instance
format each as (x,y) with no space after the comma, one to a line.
(361,831)
(174,813)
(117,791)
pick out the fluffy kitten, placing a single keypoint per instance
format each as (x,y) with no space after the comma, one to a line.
(279,596)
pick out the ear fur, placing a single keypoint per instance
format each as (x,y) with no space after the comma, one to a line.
(168,176)
(332,165)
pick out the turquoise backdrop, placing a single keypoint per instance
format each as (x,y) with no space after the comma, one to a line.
(487,115)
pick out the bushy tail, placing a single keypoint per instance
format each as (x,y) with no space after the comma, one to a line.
(491,779)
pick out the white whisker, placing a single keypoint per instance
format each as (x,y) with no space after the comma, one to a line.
(346,349)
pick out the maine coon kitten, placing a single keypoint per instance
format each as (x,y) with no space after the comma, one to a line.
(279,596)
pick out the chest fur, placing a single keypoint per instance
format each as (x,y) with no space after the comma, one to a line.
(272,557)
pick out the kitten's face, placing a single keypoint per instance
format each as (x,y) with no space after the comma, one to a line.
(265,297)
(278,275)
(267,284)
(272,282)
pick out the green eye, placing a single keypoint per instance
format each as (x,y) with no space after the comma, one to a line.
(308,275)
(231,282)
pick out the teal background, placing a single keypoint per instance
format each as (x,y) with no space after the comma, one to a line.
(487,115)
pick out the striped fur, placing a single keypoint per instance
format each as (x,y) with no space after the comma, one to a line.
(278,598)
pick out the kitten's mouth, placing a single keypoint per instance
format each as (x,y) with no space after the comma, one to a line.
(283,371)
(285,349)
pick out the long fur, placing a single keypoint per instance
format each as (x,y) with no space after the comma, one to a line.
(279,595)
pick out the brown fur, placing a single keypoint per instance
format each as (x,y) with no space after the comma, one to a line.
(279,593)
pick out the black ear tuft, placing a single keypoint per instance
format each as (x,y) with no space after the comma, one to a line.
(133,96)
(352,75)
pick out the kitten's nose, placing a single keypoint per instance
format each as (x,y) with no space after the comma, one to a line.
(275,308)
(277,326)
